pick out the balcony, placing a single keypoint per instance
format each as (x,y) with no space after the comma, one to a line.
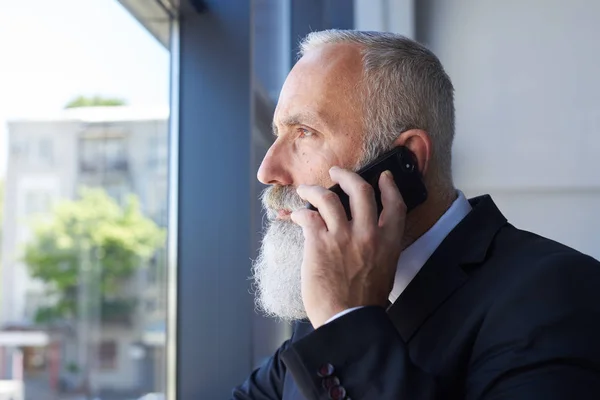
(99,167)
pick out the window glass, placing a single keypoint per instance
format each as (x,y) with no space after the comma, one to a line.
(84,110)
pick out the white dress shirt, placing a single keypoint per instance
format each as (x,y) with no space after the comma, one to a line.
(416,255)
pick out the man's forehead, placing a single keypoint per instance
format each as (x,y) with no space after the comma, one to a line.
(321,87)
(289,116)
(331,65)
(315,110)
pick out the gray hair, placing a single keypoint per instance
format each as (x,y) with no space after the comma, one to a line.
(406,87)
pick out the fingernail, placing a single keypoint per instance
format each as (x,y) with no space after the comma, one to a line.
(388,174)
(334,168)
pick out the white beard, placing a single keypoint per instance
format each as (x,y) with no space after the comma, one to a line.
(276,271)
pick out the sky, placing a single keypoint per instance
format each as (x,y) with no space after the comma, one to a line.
(53,51)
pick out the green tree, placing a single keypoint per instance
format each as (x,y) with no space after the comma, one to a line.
(94,101)
(116,240)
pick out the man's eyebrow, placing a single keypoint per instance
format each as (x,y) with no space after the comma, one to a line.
(297,119)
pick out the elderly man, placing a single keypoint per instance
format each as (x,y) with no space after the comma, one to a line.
(449,301)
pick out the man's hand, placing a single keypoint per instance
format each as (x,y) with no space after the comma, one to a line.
(349,263)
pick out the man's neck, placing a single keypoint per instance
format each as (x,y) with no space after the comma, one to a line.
(423,217)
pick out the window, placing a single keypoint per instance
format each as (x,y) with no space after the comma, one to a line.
(29,147)
(107,355)
(75,251)
(103,154)
(19,149)
(115,154)
(46,151)
(151,305)
(158,153)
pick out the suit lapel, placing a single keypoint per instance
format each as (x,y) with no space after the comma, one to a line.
(443,273)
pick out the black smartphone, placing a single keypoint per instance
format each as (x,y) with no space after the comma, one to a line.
(402,163)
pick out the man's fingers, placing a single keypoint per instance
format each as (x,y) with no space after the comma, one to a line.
(362,197)
(393,215)
(308,220)
(328,204)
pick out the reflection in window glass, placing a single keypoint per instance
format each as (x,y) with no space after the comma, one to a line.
(83,130)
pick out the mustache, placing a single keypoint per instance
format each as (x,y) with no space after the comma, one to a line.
(277,197)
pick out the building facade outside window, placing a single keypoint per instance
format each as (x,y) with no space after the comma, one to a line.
(84,228)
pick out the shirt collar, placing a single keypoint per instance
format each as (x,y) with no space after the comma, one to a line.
(416,255)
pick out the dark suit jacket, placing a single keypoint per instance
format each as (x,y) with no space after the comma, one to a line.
(495,313)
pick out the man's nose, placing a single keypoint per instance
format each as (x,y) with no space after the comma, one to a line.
(274,169)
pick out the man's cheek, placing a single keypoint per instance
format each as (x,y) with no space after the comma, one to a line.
(315,172)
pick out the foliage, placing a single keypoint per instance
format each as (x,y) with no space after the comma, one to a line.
(73,368)
(94,101)
(94,231)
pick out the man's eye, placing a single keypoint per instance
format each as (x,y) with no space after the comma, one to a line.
(304,133)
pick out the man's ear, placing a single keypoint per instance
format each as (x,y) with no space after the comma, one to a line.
(419,142)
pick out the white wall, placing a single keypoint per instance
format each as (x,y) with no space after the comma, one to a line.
(395,16)
(528,107)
